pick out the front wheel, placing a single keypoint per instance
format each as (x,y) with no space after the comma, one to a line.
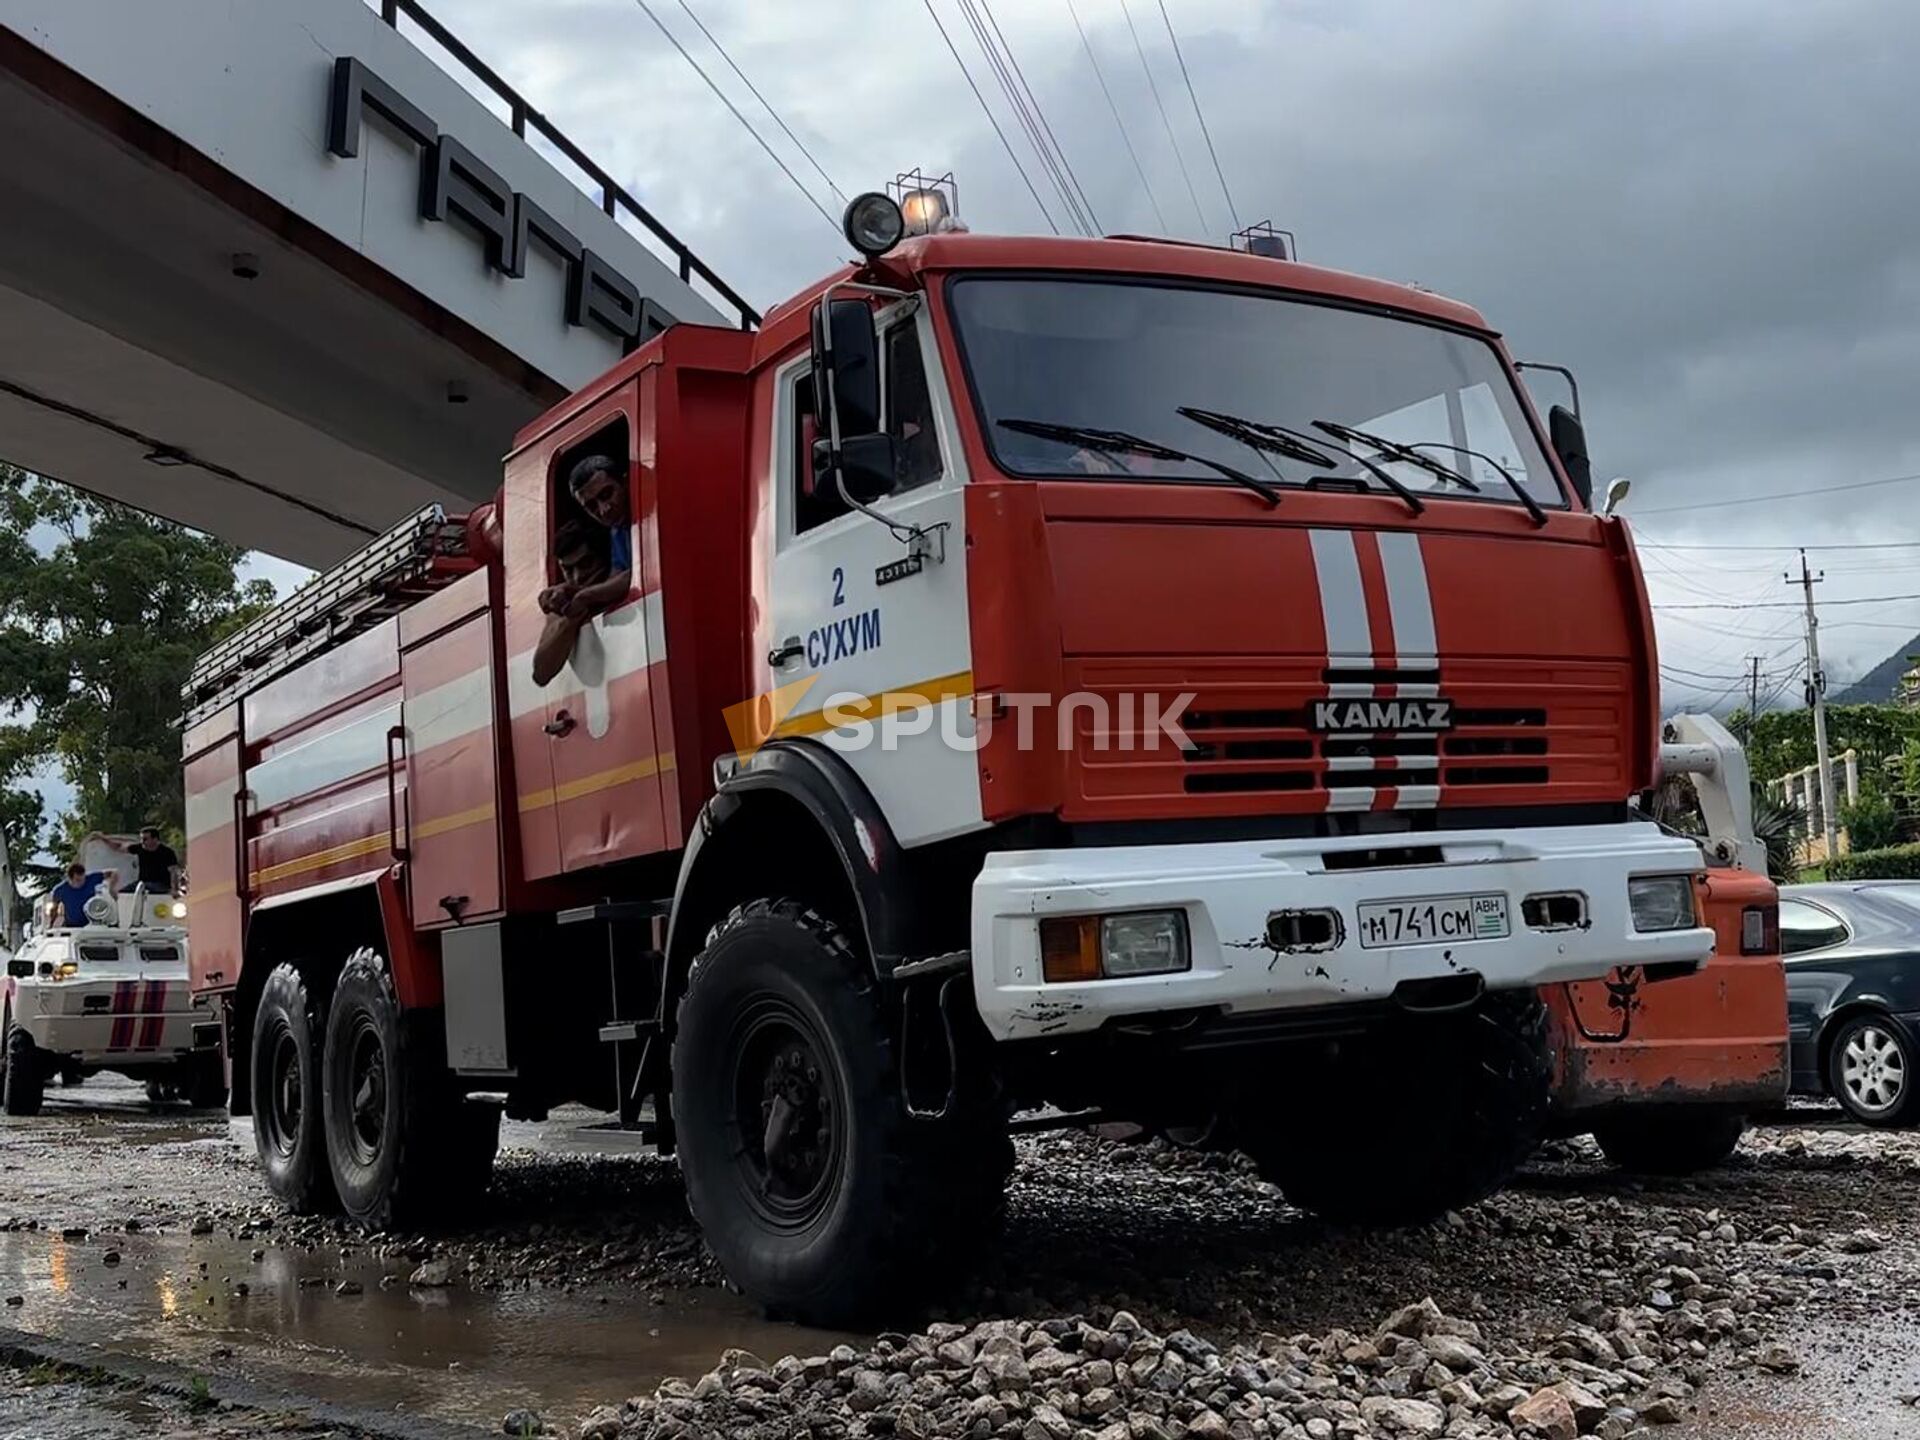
(1870,1071)
(1676,1141)
(26,1080)
(816,1191)
(1425,1115)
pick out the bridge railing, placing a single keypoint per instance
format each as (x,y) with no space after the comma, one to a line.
(524,119)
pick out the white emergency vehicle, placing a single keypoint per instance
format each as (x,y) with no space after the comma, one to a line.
(112,994)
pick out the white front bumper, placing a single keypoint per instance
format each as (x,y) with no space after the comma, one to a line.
(1228,890)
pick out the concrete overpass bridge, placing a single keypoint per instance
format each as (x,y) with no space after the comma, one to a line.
(270,270)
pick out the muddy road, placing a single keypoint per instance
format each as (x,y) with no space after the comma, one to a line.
(1773,1298)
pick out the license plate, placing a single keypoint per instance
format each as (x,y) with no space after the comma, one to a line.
(1441,920)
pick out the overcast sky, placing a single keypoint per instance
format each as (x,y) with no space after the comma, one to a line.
(1708,210)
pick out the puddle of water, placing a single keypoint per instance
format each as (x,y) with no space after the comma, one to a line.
(1853,1383)
(451,1353)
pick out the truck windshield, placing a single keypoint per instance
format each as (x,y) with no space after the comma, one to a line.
(1291,392)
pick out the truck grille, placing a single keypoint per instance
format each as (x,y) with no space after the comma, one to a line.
(1519,729)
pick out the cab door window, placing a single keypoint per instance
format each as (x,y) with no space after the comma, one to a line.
(907,413)
(908,403)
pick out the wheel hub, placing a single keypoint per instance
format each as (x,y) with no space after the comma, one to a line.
(794,1116)
(285,1102)
(789,1151)
(367,1094)
(1874,1069)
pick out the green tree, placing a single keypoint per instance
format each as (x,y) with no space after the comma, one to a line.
(1782,740)
(1872,821)
(102,610)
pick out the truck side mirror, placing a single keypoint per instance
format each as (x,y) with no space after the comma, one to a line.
(852,451)
(846,368)
(1570,444)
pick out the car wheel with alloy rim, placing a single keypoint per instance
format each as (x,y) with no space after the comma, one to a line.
(1870,1070)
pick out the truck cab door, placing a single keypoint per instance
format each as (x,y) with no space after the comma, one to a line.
(587,781)
(853,626)
(607,794)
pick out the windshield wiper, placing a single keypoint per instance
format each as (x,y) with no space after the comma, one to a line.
(1513,481)
(1263,435)
(1397,451)
(1258,435)
(1123,442)
(1412,456)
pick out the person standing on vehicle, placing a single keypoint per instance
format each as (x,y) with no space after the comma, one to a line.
(155,865)
(67,901)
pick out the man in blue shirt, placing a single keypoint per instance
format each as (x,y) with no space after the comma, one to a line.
(72,894)
(599,484)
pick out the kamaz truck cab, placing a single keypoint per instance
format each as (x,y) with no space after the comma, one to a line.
(1111,678)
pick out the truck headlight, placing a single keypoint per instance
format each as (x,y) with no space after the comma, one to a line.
(1662,902)
(1113,947)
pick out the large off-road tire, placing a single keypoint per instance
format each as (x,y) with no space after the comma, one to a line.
(1670,1140)
(26,1079)
(284,1081)
(402,1144)
(819,1194)
(1873,1070)
(1428,1114)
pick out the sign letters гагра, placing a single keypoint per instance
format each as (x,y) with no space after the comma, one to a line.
(454,181)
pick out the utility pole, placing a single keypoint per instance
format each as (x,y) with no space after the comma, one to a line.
(1817,699)
(1753,701)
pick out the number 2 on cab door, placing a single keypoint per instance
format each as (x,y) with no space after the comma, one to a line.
(839,586)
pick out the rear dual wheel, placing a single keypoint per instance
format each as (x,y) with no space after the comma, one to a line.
(353,1107)
(284,1066)
(401,1141)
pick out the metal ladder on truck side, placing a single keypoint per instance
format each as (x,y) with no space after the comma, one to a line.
(420,555)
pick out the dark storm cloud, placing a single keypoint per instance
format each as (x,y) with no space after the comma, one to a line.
(1711,211)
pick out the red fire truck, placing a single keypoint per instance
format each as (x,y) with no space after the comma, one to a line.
(1054,677)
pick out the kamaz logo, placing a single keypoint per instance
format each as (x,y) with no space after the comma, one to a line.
(1372,715)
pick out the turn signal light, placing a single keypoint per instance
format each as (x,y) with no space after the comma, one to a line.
(1113,947)
(1070,948)
(1760,930)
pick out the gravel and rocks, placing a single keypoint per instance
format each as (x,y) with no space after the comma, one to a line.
(1579,1301)
(1419,1373)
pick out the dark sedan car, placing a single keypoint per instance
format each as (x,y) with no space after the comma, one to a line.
(1852,952)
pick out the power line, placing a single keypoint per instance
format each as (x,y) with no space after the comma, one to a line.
(1006,144)
(1003,75)
(1778,495)
(1118,123)
(734,110)
(1086,205)
(1205,133)
(839,194)
(1785,604)
(1185,174)
(1878,545)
